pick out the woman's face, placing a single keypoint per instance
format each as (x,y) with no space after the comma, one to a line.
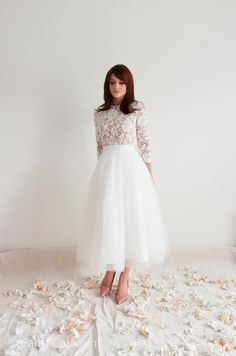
(117,87)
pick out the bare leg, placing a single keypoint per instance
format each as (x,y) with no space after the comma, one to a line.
(107,283)
(122,288)
(107,279)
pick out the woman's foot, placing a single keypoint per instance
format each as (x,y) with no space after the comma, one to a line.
(122,288)
(106,284)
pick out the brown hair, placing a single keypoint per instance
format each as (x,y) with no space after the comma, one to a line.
(124,74)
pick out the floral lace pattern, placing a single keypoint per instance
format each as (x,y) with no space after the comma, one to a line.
(182,311)
(114,127)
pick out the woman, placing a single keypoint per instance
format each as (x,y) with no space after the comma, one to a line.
(122,225)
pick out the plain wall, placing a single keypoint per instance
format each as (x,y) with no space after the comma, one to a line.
(54,56)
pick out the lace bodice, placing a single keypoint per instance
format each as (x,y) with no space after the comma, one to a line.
(114,127)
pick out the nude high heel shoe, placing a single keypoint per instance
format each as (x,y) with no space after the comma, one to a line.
(121,298)
(104,290)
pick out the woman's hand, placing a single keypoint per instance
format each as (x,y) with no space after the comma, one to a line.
(149,166)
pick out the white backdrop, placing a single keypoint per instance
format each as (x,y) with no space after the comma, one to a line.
(53,59)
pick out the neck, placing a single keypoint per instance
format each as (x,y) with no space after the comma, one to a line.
(116,102)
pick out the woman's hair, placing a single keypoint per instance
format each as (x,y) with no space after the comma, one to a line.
(124,74)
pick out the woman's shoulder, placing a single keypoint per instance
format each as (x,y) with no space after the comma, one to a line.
(138,105)
(97,113)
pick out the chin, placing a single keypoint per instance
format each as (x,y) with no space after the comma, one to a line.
(118,95)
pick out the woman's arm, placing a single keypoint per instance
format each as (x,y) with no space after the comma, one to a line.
(99,146)
(149,166)
(143,139)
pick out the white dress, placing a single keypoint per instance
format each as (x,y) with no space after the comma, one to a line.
(122,223)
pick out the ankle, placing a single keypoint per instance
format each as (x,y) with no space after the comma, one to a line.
(109,276)
(124,276)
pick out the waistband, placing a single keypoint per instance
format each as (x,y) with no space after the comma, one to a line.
(119,147)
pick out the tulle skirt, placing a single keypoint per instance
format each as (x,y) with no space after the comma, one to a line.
(122,223)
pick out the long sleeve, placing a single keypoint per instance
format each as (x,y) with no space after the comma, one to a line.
(98,136)
(142,134)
